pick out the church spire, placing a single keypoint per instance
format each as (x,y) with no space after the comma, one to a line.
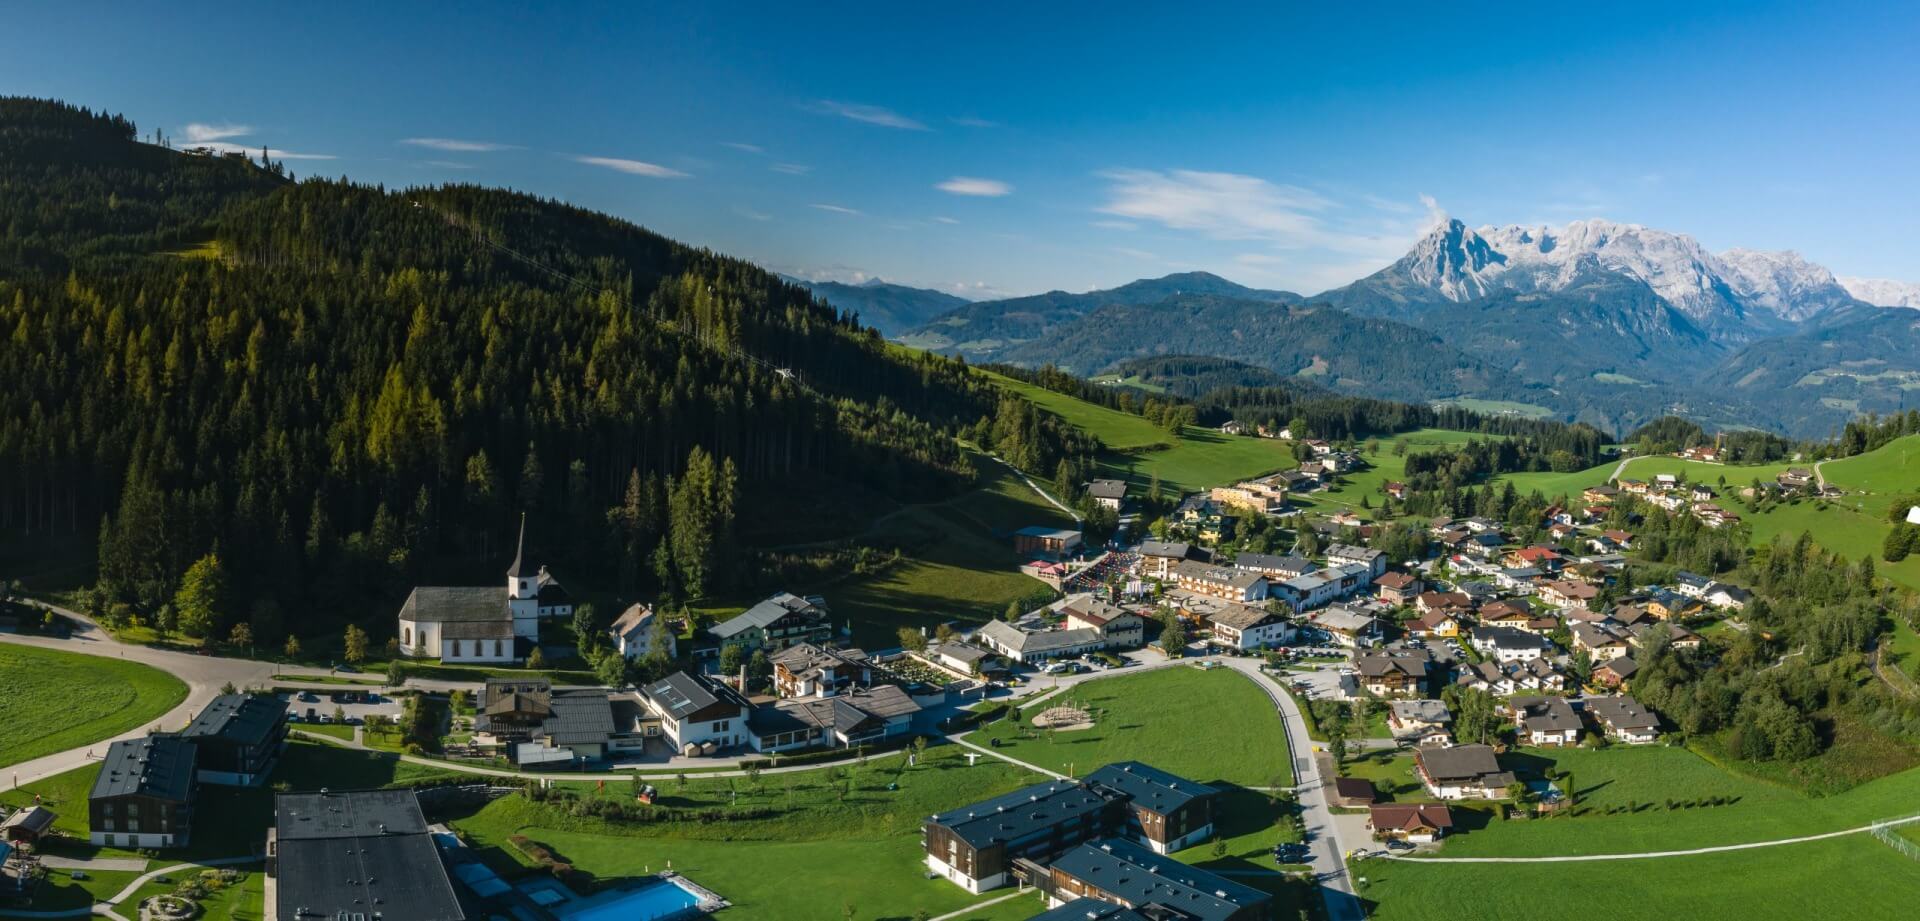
(519,550)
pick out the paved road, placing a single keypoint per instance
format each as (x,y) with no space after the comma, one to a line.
(1324,834)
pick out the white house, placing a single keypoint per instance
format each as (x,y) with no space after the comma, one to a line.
(1505,644)
(1246,628)
(633,632)
(696,711)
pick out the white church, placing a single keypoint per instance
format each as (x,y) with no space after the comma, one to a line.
(482,623)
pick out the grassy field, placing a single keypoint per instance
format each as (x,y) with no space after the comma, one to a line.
(1551,484)
(1384,465)
(1204,725)
(1851,877)
(831,844)
(1499,407)
(1879,475)
(244,902)
(1120,431)
(331,730)
(52,701)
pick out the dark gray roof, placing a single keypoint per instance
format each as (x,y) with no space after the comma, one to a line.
(519,549)
(846,713)
(479,629)
(1461,762)
(1161,548)
(1108,489)
(243,719)
(1622,712)
(579,718)
(1149,787)
(1546,714)
(1086,909)
(1135,875)
(457,603)
(160,766)
(765,613)
(355,854)
(681,694)
(1022,812)
(1267,562)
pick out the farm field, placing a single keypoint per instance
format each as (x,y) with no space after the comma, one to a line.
(1879,475)
(51,701)
(1854,876)
(1384,465)
(1551,484)
(1151,716)
(1499,407)
(1120,431)
(824,853)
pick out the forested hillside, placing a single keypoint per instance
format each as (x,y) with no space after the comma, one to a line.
(339,390)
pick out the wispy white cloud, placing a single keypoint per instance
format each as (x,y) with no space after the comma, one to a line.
(836,209)
(455,145)
(871,115)
(201,132)
(633,167)
(944,220)
(791,169)
(975,186)
(968,121)
(1226,206)
(742,145)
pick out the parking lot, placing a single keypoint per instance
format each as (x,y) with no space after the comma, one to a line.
(322,706)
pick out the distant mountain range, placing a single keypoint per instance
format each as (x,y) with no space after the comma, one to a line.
(892,309)
(1604,322)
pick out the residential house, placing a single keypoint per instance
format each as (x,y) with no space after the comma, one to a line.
(1397,588)
(806,670)
(468,624)
(975,846)
(1119,627)
(1599,641)
(1275,568)
(1505,644)
(1044,543)
(1487,676)
(1615,673)
(633,631)
(1624,720)
(239,737)
(1599,495)
(1537,675)
(1393,673)
(1353,792)
(1707,453)
(359,854)
(1418,718)
(1451,602)
(1692,585)
(1511,613)
(1221,581)
(1795,478)
(1203,518)
(698,714)
(1434,624)
(1167,812)
(1158,557)
(965,658)
(1247,628)
(1671,605)
(1374,560)
(776,623)
(1348,627)
(1417,823)
(1109,494)
(578,728)
(1031,646)
(1545,559)
(1232,427)
(1395,488)
(1461,772)
(1727,597)
(1568,594)
(1120,872)
(143,795)
(1546,720)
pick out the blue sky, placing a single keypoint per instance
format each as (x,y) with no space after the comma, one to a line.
(988,149)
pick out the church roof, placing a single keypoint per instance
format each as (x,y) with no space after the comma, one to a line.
(441,604)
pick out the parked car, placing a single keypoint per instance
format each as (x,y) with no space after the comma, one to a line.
(1399,845)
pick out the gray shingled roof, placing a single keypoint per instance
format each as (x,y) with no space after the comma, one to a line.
(457,604)
(763,614)
(579,718)
(1622,713)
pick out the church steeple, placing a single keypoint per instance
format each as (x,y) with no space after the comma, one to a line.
(519,550)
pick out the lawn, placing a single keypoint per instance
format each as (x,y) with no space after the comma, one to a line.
(1851,877)
(333,730)
(1879,475)
(1552,485)
(1386,462)
(1390,770)
(822,850)
(1666,790)
(1117,430)
(244,902)
(1203,725)
(53,701)
(1499,407)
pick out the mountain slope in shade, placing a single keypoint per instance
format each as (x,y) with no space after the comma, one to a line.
(1324,346)
(987,330)
(1736,297)
(1855,360)
(890,308)
(1884,292)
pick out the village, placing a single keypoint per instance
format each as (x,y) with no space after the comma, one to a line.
(1540,640)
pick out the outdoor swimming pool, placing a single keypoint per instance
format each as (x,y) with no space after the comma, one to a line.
(658,900)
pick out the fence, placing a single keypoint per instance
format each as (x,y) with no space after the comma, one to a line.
(1885,831)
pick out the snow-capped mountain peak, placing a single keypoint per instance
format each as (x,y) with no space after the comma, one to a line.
(1783,282)
(1884,292)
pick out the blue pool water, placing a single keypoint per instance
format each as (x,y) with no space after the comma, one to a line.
(656,901)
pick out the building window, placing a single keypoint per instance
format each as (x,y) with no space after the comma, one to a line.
(406,637)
